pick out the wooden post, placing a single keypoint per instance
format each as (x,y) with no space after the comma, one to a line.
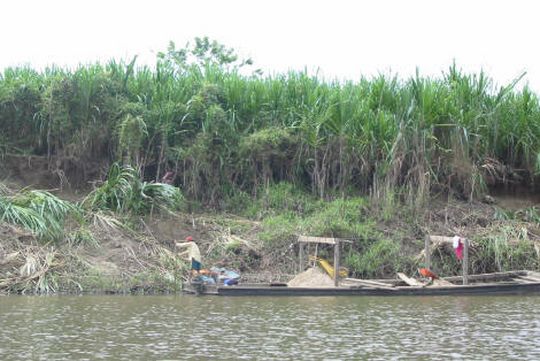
(300,257)
(427,251)
(336,264)
(465,261)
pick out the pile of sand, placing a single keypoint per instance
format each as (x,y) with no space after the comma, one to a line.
(313,277)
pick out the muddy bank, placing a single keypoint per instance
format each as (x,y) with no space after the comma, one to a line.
(116,263)
(119,260)
(117,254)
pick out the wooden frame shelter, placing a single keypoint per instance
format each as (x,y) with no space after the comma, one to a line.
(336,242)
(429,240)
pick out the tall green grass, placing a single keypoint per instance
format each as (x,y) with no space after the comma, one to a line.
(222,131)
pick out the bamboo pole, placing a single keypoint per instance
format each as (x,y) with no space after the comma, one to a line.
(336,264)
(465,261)
(300,257)
(427,251)
(441,239)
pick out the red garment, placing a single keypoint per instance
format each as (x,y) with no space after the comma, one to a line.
(427,273)
(459,250)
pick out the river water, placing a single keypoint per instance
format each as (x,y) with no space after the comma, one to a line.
(266,328)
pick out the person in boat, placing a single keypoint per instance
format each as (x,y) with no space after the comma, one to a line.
(192,253)
(226,279)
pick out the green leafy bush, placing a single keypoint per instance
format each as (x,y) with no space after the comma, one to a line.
(280,230)
(379,259)
(285,197)
(123,191)
(342,218)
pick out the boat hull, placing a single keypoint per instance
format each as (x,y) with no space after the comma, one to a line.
(501,283)
(495,289)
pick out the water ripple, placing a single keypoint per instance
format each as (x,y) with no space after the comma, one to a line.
(321,328)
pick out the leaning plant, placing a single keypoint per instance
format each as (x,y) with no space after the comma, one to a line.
(40,212)
(124,192)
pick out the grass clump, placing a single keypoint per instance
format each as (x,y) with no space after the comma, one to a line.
(341,218)
(287,211)
(280,229)
(506,246)
(279,198)
(377,259)
(508,249)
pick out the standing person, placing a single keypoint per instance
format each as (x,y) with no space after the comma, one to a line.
(192,252)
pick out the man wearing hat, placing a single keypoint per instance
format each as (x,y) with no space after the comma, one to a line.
(192,252)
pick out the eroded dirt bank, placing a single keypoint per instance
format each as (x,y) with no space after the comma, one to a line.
(112,253)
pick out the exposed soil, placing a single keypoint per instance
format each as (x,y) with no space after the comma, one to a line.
(517,198)
(40,172)
(123,254)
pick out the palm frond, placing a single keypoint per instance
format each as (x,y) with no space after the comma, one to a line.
(40,212)
(123,191)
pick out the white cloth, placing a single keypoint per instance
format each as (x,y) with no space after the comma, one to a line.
(192,250)
(455,242)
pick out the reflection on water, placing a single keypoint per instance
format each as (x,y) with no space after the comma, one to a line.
(184,327)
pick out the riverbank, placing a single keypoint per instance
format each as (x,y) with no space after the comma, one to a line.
(114,254)
(134,158)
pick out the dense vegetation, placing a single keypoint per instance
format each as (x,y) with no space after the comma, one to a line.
(292,153)
(225,130)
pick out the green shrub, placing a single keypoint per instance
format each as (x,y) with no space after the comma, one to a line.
(281,197)
(379,259)
(342,218)
(280,230)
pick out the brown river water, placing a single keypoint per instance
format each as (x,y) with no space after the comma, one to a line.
(266,328)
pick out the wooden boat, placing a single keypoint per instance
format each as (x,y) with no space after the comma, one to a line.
(502,283)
